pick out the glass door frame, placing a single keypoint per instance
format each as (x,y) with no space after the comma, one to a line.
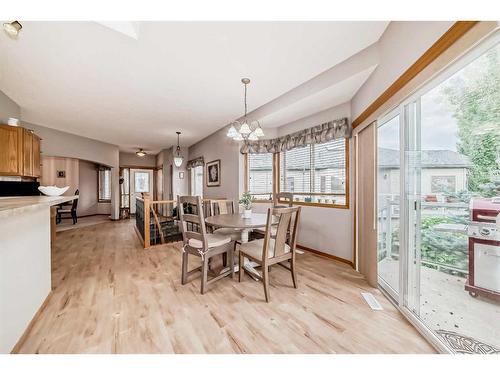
(396,295)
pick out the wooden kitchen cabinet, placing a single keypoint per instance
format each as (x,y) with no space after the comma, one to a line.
(11,150)
(19,152)
(36,156)
(27,153)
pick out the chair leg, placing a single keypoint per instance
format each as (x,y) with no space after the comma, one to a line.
(241,270)
(294,272)
(73,216)
(184,268)
(230,254)
(204,275)
(265,281)
(224,259)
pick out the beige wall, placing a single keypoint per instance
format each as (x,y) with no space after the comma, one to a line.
(52,164)
(62,144)
(325,229)
(81,175)
(218,146)
(402,43)
(128,159)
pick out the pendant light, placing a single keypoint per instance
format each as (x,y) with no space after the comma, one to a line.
(141,153)
(178,159)
(12,28)
(247,129)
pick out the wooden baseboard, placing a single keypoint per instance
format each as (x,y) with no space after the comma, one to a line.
(23,337)
(326,255)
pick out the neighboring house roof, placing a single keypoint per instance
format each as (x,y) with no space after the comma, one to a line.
(389,158)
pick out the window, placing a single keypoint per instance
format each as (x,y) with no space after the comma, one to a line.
(141,180)
(260,175)
(306,171)
(443,184)
(104,187)
(197,181)
(323,184)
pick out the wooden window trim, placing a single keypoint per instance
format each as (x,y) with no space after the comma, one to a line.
(277,187)
(99,200)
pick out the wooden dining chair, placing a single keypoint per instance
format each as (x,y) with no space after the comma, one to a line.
(60,211)
(278,198)
(201,243)
(221,207)
(274,249)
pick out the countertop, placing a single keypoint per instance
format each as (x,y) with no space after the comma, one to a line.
(16,205)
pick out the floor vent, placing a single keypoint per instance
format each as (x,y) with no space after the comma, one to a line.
(372,301)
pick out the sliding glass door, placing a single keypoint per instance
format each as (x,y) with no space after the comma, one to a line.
(438,179)
(388,202)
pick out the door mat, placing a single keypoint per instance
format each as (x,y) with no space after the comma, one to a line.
(464,344)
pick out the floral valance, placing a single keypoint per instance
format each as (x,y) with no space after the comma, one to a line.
(317,134)
(198,162)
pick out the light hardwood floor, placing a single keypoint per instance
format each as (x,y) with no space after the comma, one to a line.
(112,296)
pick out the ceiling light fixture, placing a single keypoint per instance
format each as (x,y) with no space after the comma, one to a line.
(141,153)
(178,158)
(12,28)
(246,129)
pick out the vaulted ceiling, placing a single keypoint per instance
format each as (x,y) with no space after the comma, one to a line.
(134,84)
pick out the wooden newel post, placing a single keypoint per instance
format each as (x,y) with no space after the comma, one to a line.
(147,218)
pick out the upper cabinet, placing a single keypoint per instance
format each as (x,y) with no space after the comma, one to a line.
(19,152)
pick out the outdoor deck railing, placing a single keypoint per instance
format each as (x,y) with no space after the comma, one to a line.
(162,224)
(433,254)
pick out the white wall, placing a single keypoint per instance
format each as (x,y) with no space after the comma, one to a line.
(25,279)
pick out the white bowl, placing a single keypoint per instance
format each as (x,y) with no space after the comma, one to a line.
(53,191)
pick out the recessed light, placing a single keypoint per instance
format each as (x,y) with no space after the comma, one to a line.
(12,28)
(140,153)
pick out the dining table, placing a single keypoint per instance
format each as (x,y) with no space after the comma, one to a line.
(237,221)
(246,225)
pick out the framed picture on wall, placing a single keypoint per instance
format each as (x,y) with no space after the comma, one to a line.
(213,173)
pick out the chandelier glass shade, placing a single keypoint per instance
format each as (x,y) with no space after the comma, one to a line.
(178,159)
(245,129)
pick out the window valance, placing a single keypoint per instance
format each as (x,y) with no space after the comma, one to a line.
(198,162)
(318,134)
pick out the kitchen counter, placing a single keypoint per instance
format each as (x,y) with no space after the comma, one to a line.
(15,205)
(25,262)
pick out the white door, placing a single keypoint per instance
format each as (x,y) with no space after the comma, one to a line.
(141,181)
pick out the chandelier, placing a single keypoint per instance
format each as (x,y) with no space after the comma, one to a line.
(246,129)
(178,159)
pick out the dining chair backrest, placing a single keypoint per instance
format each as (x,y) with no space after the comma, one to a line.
(286,230)
(196,217)
(222,206)
(74,205)
(279,197)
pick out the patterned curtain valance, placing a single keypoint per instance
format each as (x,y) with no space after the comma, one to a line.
(317,134)
(198,162)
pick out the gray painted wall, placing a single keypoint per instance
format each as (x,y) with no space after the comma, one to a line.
(128,159)
(8,108)
(218,146)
